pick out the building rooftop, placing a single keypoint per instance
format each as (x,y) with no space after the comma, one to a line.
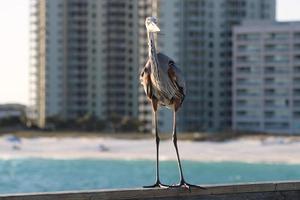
(264,25)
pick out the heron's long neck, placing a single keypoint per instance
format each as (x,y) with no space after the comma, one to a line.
(152,53)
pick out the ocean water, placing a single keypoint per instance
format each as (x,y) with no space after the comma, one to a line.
(45,175)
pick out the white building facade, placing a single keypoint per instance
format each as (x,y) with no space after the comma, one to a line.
(83,59)
(206,58)
(197,35)
(266,77)
(86,56)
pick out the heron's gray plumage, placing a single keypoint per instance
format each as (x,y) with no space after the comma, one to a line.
(160,77)
(164,84)
(166,63)
(163,87)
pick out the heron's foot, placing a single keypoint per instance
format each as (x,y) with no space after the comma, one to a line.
(186,185)
(157,184)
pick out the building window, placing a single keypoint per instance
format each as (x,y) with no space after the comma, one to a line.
(248,48)
(277,47)
(277,36)
(296,115)
(297,35)
(248,37)
(247,125)
(277,58)
(276,125)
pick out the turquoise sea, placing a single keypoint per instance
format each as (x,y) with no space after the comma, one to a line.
(43,175)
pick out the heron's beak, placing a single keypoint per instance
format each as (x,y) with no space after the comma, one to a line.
(154,27)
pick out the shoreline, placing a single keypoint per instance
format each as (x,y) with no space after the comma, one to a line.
(281,150)
(193,136)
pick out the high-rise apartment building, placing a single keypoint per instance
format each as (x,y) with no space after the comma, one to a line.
(84,58)
(86,55)
(197,35)
(206,57)
(266,77)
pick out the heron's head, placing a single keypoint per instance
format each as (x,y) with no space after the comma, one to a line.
(151,24)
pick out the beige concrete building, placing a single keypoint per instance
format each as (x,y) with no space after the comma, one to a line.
(84,59)
(266,77)
(197,35)
(206,57)
(86,55)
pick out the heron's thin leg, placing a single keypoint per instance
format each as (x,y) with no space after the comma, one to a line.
(182,182)
(157,140)
(176,147)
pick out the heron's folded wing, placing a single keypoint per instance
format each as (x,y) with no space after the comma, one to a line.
(145,79)
(177,77)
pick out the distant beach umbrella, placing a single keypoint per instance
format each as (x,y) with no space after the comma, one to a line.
(164,85)
(13,139)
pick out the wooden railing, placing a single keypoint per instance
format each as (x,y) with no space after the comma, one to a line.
(257,191)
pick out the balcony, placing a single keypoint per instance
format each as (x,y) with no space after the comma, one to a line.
(280,36)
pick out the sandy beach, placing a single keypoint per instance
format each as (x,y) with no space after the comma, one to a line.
(268,150)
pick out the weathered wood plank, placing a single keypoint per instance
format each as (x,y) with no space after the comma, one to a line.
(261,191)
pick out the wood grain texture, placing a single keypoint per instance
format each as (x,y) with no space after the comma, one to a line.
(252,191)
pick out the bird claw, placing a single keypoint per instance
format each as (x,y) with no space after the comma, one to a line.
(157,184)
(186,185)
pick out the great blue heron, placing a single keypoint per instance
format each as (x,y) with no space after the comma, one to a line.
(164,85)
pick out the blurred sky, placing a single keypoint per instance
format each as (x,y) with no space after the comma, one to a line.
(14,45)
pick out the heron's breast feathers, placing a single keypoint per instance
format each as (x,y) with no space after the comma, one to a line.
(168,87)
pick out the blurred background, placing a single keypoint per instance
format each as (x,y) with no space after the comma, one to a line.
(70,91)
